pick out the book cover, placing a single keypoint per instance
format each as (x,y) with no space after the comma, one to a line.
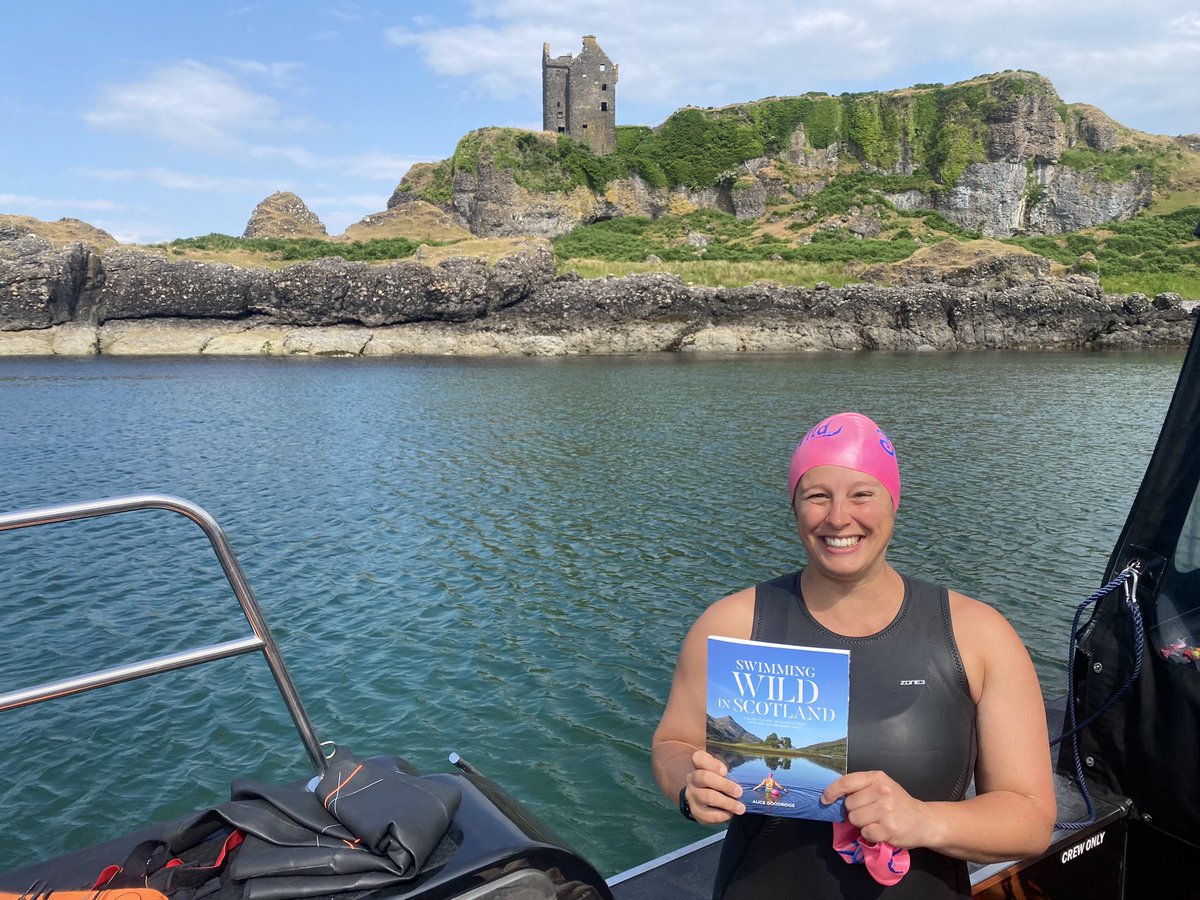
(778,718)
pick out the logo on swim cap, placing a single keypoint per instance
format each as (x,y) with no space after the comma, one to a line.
(850,440)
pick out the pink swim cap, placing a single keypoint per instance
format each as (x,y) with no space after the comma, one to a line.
(850,440)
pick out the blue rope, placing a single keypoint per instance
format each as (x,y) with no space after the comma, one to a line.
(1072,730)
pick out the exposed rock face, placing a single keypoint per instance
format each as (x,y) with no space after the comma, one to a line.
(43,287)
(1094,129)
(415,219)
(803,156)
(39,285)
(64,231)
(994,199)
(1072,200)
(283,215)
(492,204)
(990,197)
(990,147)
(1026,128)
(140,285)
(991,266)
(73,301)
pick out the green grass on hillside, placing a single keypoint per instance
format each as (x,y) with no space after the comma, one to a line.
(936,129)
(297,249)
(1150,254)
(712,235)
(718,273)
(1141,252)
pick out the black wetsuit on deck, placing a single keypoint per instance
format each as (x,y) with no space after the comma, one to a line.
(911,716)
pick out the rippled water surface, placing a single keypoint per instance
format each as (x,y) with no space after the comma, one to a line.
(498,558)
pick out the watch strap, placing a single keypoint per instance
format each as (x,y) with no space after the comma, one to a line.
(685,808)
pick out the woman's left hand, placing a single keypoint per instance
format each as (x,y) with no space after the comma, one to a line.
(880,808)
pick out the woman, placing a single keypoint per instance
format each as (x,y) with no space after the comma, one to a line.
(941,691)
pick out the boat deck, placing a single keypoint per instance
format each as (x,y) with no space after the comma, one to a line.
(688,873)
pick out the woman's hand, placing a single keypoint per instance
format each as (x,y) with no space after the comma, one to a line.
(880,808)
(712,797)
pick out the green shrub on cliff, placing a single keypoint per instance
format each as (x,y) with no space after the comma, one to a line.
(1131,253)
(1121,164)
(777,118)
(297,249)
(715,236)
(934,130)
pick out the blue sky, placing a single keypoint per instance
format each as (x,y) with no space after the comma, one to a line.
(164,120)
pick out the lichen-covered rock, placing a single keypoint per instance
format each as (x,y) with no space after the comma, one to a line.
(749,198)
(981,264)
(416,220)
(493,205)
(40,286)
(137,284)
(78,302)
(283,215)
(60,233)
(1027,127)
(1074,200)
(1092,128)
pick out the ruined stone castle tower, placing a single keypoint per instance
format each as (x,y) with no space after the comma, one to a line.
(579,96)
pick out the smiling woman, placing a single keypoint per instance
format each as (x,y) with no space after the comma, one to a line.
(942,691)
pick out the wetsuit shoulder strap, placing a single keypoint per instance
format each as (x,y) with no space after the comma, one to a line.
(774,602)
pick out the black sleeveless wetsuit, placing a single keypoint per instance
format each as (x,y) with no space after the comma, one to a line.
(911,716)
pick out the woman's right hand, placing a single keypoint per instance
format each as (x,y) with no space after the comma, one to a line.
(713,798)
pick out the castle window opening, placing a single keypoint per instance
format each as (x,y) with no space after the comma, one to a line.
(603,107)
(604,87)
(561,130)
(602,67)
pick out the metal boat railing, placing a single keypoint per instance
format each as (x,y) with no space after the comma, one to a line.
(260,641)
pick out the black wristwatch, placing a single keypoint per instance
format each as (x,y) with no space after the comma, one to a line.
(684,807)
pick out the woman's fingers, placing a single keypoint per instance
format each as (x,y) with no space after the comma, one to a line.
(712,797)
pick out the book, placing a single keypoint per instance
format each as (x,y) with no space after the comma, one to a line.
(778,717)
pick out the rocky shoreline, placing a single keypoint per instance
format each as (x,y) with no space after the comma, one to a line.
(77,301)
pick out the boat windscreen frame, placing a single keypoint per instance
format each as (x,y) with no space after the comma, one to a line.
(1165,496)
(1135,681)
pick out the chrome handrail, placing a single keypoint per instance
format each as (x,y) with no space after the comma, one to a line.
(262,639)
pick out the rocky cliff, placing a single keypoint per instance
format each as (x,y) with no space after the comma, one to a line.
(999,154)
(75,300)
(283,215)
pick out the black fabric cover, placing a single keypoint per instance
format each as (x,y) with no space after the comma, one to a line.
(395,815)
(369,824)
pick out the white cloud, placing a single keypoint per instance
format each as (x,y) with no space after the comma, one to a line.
(282,73)
(25,201)
(1142,69)
(300,157)
(368,202)
(188,104)
(133,232)
(372,164)
(186,181)
(380,165)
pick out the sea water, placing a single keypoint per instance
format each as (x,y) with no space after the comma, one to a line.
(492,557)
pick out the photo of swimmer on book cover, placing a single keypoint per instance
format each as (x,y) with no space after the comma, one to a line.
(778,718)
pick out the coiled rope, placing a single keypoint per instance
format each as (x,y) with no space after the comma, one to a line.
(1128,578)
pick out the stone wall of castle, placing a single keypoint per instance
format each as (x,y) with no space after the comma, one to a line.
(579,96)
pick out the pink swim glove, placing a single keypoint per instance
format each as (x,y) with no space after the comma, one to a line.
(885,863)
